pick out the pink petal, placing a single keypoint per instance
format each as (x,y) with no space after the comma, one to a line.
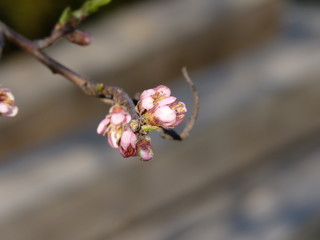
(117,118)
(4,108)
(165,114)
(128,138)
(181,107)
(166,101)
(146,155)
(145,151)
(117,109)
(133,139)
(163,90)
(13,111)
(128,144)
(176,123)
(102,127)
(128,118)
(147,93)
(125,139)
(147,103)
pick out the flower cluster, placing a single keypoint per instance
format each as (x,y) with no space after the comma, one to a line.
(156,109)
(160,109)
(116,127)
(7,104)
(113,125)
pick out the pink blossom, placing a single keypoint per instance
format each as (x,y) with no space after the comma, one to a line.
(7,103)
(128,143)
(113,125)
(167,116)
(144,149)
(156,107)
(161,109)
(150,97)
(164,115)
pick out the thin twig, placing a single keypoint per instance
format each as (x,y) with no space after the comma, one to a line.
(196,105)
(173,135)
(48,41)
(169,134)
(58,32)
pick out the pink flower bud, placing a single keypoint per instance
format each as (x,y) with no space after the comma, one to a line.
(180,110)
(164,115)
(149,98)
(144,149)
(160,109)
(128,143)
(113,125)
(79,37)
(7,103)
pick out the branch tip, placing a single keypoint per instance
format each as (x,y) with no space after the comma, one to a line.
(173,135)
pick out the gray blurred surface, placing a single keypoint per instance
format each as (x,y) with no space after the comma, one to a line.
(250,170)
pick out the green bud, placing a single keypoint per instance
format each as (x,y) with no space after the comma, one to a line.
(65,16)
(92,6)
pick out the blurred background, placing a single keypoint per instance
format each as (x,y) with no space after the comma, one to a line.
(249,170)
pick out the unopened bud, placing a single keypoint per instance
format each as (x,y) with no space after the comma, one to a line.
(79,37)
(128,143)
(144,149)
(113,124)
(160,109)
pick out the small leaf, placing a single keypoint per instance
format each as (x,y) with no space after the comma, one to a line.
(149,128)
(92,6)
(65,16)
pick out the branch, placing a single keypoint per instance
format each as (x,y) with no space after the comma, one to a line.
(173,135)
(196,105)
(106,94)
(56,34)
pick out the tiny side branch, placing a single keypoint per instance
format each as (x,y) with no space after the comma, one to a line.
(173,135)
